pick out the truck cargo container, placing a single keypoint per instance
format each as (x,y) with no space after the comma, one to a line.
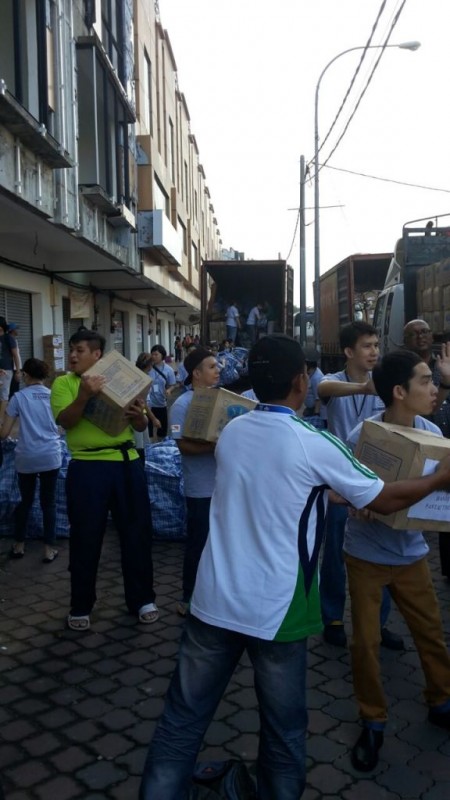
(247,283)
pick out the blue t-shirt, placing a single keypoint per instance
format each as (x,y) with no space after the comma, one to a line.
(162,378)
(199,471)
(376,542)
(38,448)
(7,345)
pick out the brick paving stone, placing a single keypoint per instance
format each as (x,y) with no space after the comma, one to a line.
(319,722)
(125,697)
(323,749)
(315,698)
(61,787)
(343,710)
(112,745)
(127,790)
(246,721)
(10,695)
(133,761)
(28,774)
(244,746)
(76,676)
(70,759)
(219,732)
(20,675)
(142,732)
(100,775)
(67,696)
(441,792)
(99,686)
(93,708)
(435,765)
(30,706)
(42,744)
(83,732)
(17,730)
(118,719)
(9,754)
(368,790)
(151,708)
(326,778)
(406,782)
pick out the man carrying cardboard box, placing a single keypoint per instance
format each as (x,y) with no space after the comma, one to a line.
(199,466)
(378,557)
(104,474)
(256,587)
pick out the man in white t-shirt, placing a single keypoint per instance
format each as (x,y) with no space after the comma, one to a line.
(252,322)
(199,466)
(232,321)
(378,556)
(349,397)
(256,587)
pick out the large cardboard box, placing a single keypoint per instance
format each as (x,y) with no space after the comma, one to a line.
(210,411)
(124,384)
(395,453)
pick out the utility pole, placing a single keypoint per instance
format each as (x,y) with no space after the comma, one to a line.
(302,254)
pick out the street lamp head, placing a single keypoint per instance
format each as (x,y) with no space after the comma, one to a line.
(409,45)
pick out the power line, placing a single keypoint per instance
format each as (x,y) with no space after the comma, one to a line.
(386,180)
(355,74)
(369,80)
(294,236)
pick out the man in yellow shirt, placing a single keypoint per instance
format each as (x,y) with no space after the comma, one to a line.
(105,474)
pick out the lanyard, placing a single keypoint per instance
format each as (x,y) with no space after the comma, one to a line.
(358,411)
(277,409)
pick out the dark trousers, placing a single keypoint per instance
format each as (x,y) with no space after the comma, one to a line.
(94,488)
(197,526)
(161,414)
(444,552)
(47,490)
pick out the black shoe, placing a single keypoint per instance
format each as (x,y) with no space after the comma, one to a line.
(335,634)
(365,751)
(391,640)
(441,718)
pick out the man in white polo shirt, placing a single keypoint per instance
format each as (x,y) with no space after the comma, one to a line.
(256,587)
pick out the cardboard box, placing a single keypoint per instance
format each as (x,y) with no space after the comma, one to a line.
(420,279)
(427,300)
(395,453)
(442,272)
(437,298)
(430,276)
(210,411)
(124,384)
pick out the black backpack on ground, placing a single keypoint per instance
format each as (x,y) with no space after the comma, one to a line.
(222,780)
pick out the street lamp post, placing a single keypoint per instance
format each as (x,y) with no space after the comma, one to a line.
(402,46)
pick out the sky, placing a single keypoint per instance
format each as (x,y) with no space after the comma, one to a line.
(249,70)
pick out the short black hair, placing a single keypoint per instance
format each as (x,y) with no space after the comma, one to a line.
(93,339)
(36,369)
(158,348)
(394,369)
(350,333)
(273,362)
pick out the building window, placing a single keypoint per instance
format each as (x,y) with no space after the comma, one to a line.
(160,198)
(171,154)
(147,94)
(112,34)
(25,42)
(194,256)
(184,234)
(103,129)
(186,185)
(140,333)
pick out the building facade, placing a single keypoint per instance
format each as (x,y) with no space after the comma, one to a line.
(105,213)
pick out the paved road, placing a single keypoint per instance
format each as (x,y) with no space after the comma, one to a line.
(77,710)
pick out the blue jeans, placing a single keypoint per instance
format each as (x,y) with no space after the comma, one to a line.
(197,526)
(207,660)
(332,570)
(232,333)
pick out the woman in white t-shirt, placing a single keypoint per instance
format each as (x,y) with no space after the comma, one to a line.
(37,454)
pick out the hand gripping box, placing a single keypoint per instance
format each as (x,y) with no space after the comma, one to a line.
(124,384)
(210,410)
(394,453)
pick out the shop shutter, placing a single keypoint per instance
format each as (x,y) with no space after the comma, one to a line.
(16,307)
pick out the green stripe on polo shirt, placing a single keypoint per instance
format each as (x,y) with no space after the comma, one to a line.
(341,446)
(303,617)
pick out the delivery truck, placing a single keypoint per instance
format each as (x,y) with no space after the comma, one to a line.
(246,283)
(417,283)
(348,292)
